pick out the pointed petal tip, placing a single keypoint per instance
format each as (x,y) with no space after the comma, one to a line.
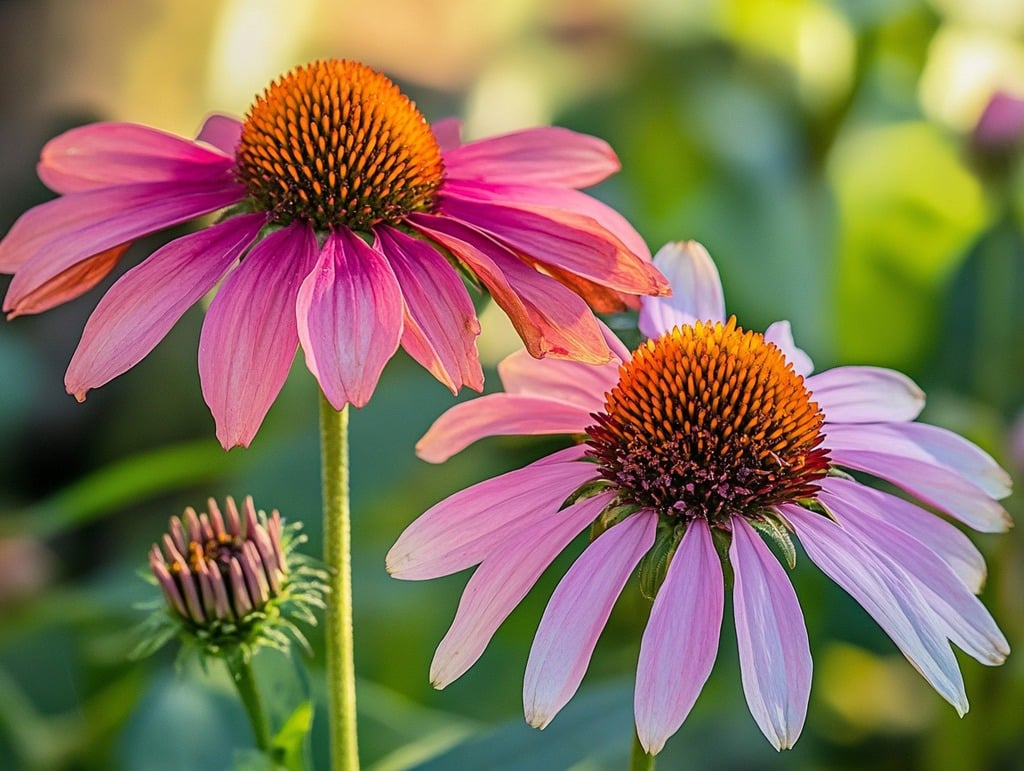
(537,720)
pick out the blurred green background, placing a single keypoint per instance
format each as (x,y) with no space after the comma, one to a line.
(822,151)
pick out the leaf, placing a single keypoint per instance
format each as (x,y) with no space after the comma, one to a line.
(119,484)
(287,744)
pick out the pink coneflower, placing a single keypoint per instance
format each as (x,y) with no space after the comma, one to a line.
(347,222)
(710,439)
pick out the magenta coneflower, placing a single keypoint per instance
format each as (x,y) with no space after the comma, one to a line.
(348,221)
(710,439)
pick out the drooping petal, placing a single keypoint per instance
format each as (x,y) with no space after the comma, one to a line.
(576,614)
(464,528)
(887,594)
(680,643)
(929,444)
(935,533)
(967,623)
(448,133)
(551,320)
(775,656)
(583,385)
(501,582)
(535,156)
(249,336)
(565,240)
(499,414)
(696,290)
(105,154)
(909,467)
(141,307)
(57,235)
(866,395)
(440,325)
(349,318)
(543,199)
(781,334)
(71,283)
(221,131)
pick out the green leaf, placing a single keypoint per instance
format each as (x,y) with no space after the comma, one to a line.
(909,209)
(123,482)
(287,745)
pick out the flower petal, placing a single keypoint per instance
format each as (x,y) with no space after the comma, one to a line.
(141,307)
(464,528)
(932,531)
(349,318)
(968,624)
(576,614)
(866,395)
(223,132)
(696,290)
(565,240)
(910,466)
(499,414)
(501,582)
(441,326)
(551,320)
(57,235)
(249,336)
(929,444)
(887,594)
(781,334)
(680,643)
(583,385)
(104,154)
(535,156)
(775,656)
(69,284)
(541,199)
(448,133)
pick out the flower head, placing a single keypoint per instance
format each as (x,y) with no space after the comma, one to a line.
(347,224)
(708,443)
(231,581)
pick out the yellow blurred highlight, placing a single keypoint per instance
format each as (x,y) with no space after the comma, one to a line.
(965,67)
(812,39)
(872,694)
(254,43)
(1004,15)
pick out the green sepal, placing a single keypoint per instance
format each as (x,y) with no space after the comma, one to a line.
(722,539)
(654,565)
(812,504)
(612,515)
(777,535)
(838,473)
(584,491)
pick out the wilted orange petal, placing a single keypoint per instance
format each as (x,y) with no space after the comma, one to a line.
(73,282)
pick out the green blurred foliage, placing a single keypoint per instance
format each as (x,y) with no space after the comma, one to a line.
(790,138)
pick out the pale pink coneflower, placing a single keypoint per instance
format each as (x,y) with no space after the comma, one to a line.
(347,224)
(710,440)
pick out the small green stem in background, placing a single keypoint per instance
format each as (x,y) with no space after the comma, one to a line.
(639,760)
(240,668)
(341,675)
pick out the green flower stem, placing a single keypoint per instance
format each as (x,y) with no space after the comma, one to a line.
(341,675)
(639,760)
(240,668)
